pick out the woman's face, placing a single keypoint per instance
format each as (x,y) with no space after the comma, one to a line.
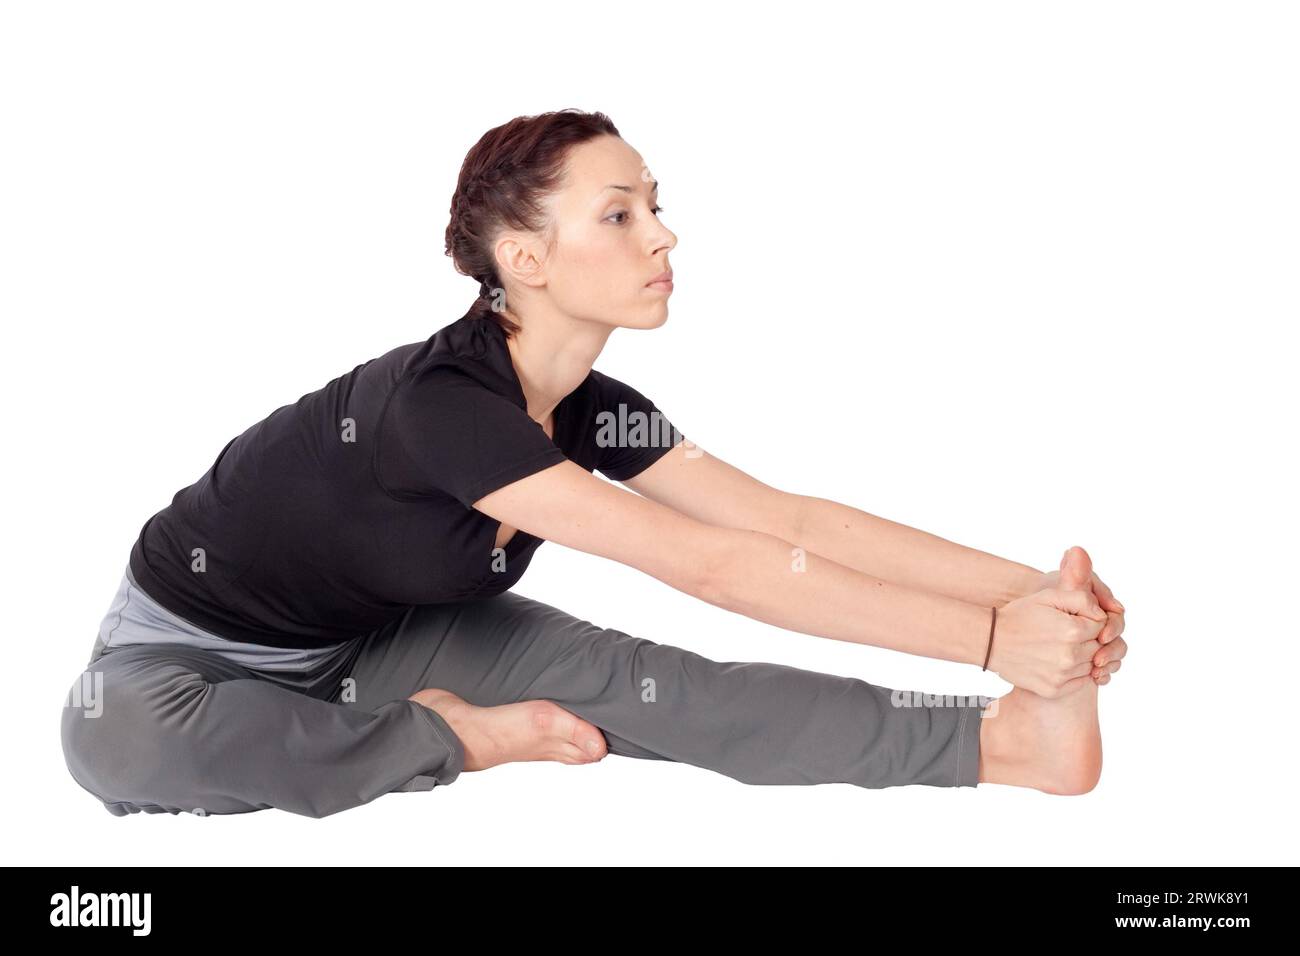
(607,242)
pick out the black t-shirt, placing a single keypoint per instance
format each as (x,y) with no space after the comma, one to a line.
(333,515)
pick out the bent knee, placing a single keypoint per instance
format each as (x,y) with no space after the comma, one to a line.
(117,734)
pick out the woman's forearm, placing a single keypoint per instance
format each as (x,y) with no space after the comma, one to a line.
(775,581)
(908,556)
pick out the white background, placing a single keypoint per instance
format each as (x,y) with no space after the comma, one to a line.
(1023,275)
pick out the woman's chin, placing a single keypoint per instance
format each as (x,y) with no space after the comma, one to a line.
(651,319)
(638,317)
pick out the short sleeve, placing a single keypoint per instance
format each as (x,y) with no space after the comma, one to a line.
(444,431)
(631,431)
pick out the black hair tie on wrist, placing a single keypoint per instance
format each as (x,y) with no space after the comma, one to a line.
(992,625)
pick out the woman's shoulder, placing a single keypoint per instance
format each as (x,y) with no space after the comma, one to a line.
(472,347)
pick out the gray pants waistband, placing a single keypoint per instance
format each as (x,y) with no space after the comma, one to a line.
(136,618)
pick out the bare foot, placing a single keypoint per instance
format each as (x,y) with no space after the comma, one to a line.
(527,730)
(1050,745)
(1053,745)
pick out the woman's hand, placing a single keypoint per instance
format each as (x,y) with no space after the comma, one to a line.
(1045,641)
(1113,647)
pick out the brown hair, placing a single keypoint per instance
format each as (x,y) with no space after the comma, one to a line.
(503,182)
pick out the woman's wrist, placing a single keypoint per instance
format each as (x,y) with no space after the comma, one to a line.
(1021,580)
(975,621)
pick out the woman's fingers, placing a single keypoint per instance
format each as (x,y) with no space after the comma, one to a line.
(1085,654)
(1114,651)
(1102,674)
(1113,627)
(1081,603)
(1105,596)
(1114,610)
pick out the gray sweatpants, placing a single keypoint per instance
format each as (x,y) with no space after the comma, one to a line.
(168,717)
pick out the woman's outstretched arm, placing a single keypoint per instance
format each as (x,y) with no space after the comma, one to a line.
(1044,643)
(910,556)
(709,489)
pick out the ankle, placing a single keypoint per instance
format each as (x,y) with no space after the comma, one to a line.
(1001,748)
(468,722)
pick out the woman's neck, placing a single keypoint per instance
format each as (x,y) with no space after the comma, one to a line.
(552,355)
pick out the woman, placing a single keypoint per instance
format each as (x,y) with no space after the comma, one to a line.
(326,615)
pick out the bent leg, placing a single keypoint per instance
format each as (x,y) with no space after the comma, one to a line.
(756,722)
(171,728)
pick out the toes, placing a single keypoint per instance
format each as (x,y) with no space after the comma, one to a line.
(578,740)
(587,739)
(571,755)
(574,754)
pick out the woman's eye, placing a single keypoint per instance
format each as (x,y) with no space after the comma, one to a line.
(656,210)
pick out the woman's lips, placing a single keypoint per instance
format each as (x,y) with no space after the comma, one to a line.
(662,284)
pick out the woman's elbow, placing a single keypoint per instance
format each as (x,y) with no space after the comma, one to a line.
(722,565)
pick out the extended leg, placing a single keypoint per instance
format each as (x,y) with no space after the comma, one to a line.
(759,723)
